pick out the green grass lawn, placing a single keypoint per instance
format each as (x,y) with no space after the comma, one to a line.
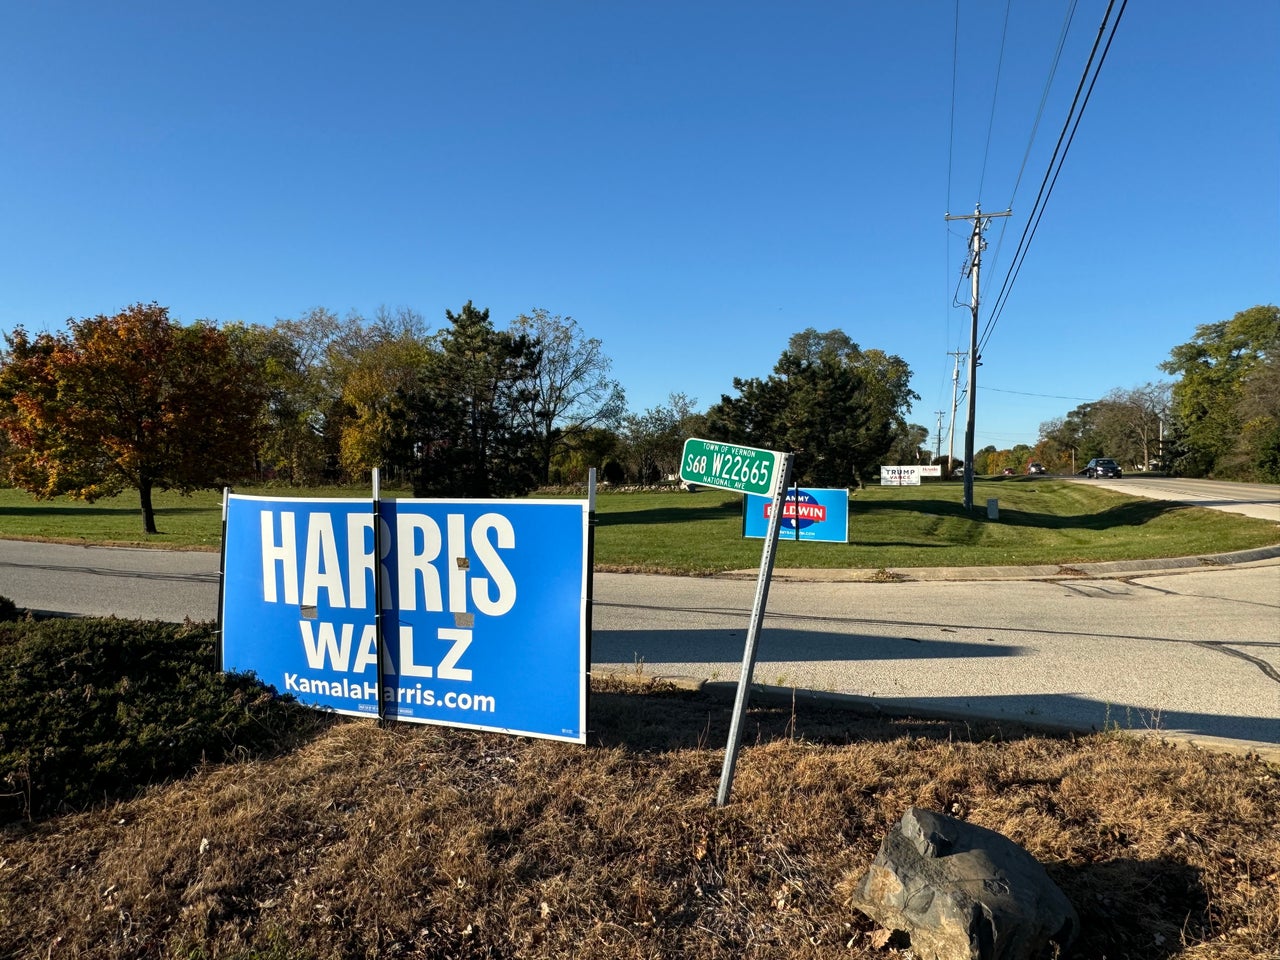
(193,522)
(1042,521)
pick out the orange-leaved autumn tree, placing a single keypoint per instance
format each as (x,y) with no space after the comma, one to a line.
(134,400)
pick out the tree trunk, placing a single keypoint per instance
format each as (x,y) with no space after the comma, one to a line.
(545,449)
(148,511)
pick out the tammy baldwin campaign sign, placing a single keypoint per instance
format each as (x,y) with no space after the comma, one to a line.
(484,607)
(807,514)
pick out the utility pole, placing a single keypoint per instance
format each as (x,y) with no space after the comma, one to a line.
(937,450)
(955,385)
(976,246)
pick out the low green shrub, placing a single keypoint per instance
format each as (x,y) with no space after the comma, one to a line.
(94,710)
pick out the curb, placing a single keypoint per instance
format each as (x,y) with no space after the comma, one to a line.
(1072,571)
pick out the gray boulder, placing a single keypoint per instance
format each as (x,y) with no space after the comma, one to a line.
(962,892)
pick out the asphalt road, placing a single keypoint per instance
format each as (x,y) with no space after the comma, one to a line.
(137,584)
(1188,653)
(1259,500)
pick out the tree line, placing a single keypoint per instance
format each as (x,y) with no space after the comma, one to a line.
(138,401)
(1220,418)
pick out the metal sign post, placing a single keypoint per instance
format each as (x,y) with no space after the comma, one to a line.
(377,594)
(222,576)
(779,492)
(795,519)
(591,579)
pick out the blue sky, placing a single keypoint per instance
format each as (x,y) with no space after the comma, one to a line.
(692,182)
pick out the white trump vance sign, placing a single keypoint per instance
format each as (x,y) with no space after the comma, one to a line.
(482,621)
(905,476)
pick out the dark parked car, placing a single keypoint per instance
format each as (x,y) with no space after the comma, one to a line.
(1102,467)
(1035,467)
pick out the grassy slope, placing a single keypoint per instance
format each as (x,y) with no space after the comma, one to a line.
(1041,522)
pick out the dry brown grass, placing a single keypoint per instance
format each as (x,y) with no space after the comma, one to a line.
(420,841)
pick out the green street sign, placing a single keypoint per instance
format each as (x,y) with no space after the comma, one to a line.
(727,466)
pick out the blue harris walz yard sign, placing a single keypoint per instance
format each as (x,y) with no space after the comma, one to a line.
(484,607)
(808,514)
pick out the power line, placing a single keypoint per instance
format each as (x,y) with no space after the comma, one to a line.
(1047,396)
(1028,230)
(951,144)
(995,96)
(955,60)
(966,267)
(1065,138)
(1060,150)
(1016,437)
(1044,97)
(964,275)
(1035,125)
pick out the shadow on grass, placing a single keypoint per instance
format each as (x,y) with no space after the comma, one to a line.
(664,720)
(1135,908)
(40,511)
(674,515)
(1134,514)
(928,508)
